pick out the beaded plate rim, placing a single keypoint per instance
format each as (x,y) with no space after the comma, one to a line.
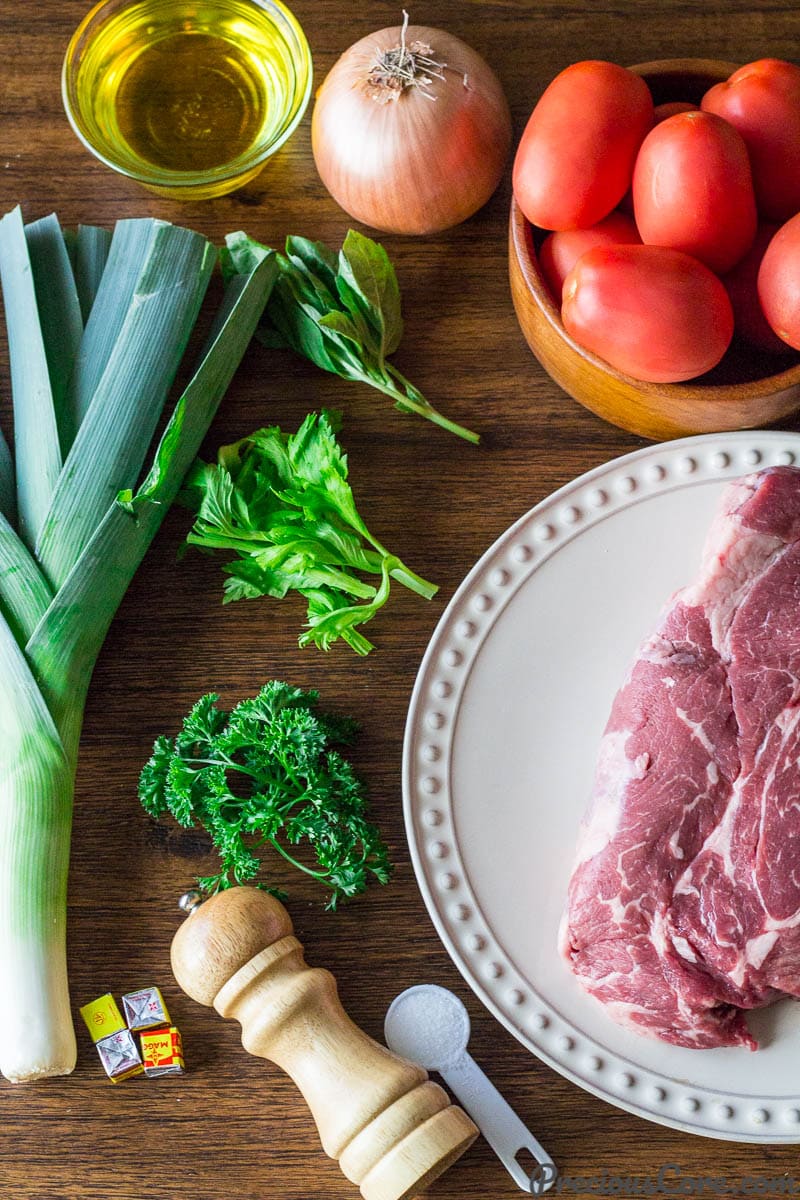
(427,803)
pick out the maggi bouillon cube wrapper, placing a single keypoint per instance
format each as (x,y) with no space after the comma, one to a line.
(145,1009)
(120,1056)
(102,1017)
(162,1052)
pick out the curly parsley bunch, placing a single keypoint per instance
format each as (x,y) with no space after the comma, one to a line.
(269,772)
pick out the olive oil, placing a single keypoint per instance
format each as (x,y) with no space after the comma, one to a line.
(172,91)
(191,102)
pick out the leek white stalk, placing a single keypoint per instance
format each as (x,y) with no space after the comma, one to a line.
(83,529)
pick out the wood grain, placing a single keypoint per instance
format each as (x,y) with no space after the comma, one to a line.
(234,1126)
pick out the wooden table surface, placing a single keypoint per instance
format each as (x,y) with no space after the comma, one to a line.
(234,1126)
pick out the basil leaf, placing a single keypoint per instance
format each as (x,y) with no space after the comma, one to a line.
(365,266)
(316,258)
(342,324)
(299,330)
(368,322)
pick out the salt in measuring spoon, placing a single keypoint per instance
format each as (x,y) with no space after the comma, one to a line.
(430,1025)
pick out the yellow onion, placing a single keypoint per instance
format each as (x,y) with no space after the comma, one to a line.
(411,130)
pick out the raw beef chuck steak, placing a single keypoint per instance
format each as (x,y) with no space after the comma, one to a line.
(684,903)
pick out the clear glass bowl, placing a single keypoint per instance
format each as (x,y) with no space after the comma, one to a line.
(189,99)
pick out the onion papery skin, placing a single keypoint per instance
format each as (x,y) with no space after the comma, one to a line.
(413,165)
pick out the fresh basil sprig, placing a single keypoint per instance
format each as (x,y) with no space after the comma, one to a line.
(340,311)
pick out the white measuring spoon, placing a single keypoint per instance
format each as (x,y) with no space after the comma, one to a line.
(430,1025)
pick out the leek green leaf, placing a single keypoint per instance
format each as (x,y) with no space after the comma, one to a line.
(109,449)
(24,592)
(91,254)
(241,255)
(70,245)
(8,503)
(36,438)
(60,315)
(131,244)
(243,303)
(65,644)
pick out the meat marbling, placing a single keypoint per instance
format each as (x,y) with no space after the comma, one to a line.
(684,902)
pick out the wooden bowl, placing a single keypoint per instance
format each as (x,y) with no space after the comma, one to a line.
(747,389)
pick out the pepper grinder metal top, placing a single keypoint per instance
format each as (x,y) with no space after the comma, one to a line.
(392,1130)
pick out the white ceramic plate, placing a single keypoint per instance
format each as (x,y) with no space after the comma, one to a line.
(505,719)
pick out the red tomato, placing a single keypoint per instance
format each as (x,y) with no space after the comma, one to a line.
(779,282)
(576,156)
(692,190)
(671,109)
(655,314)
(762,101)
(560,251)
(742,285)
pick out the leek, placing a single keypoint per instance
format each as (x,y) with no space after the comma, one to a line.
(60,317)
(91,252)
(114,434)
(66,564)
(36,440)
(8,504)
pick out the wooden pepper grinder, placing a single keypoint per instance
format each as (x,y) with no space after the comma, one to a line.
(391,1128)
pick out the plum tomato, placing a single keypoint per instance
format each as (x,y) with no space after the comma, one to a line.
(671,109)
(779,282)
(560,251)
(762,101)
(692,190)
(660,113)
(576,156)
(656,314)
(742,285)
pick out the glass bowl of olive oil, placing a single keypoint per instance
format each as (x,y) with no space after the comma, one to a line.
(190,99)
